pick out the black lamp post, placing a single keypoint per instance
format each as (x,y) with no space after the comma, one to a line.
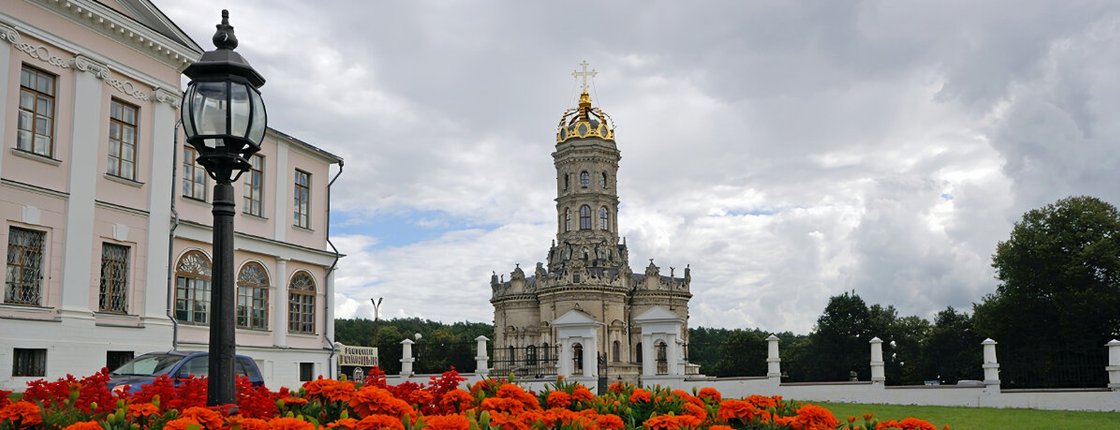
(224,120)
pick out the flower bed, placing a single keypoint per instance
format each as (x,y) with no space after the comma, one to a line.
(81,404)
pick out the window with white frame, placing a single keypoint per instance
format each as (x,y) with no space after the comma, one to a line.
(252,297)
(123,119)
(36,112)
(192,289)
(301,214)
(301,304)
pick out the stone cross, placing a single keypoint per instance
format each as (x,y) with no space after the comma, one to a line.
(584,74)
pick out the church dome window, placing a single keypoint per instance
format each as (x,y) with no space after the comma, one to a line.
(584,179)
(604,218)
(585,217)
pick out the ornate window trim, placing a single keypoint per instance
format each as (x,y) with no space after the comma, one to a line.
(192,288)
(301,303)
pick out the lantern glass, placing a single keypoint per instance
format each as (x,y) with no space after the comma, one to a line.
(260,117)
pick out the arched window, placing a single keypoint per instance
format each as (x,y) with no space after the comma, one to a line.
(252,296)
(577,359)
(584,179)
(567,220)
(512,354)
(192,288)
(546,353)
(604,218)
(616,350)
(662,351)
(531,355)
(585,217)
(301,304)
(603,181)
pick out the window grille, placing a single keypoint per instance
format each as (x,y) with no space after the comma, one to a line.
(29,362)
(24,278)
(113,295)
(662,358)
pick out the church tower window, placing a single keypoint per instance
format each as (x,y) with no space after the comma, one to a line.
(567,179)
(567,220)
(584,179)
(603,181)
(585,217)
(603,218)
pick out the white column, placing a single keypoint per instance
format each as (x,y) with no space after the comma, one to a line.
(590,357)
(991,365)
(676,357)
(406,358)
(564,363)
(481,359)
(649,359)
(7,34)
(1113,367)
(282,203)
(773,361)
(280,303)
(160,192)
(878,375)
(78,277)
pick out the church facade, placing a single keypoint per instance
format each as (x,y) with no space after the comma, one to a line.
(587,281)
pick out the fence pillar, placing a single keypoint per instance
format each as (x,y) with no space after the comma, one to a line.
(773,362)
(406,358)
(878,372)
(1113,367)
(481,360)
(991,365)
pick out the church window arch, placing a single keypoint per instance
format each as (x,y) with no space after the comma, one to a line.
(584,179)
(531,355)
(252,296)
(577,359)
(301,303)
(567,219)
(662,351)
(604,218)
(616,350)
(512,354)
(603,181)
(585,217)
(546,353)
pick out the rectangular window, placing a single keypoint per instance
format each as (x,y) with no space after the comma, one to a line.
(306,371)
(254,186)
(302,213)
(115,359)
(123,118)
(29,362)
(194,175)
(114,278)
(36,112)
(24,277)
(192,300)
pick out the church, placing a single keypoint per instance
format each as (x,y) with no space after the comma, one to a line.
(585,313)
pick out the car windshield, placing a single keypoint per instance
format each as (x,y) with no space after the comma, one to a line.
(147,365)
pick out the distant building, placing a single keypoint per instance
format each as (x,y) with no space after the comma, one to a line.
(105,224)
(587,279)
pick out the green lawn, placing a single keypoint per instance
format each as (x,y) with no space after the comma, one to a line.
(963,418)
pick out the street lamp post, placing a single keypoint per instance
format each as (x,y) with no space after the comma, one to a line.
(224,120)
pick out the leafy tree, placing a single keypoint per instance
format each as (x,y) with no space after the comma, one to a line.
(952,348)
(1058,300)
(840,343)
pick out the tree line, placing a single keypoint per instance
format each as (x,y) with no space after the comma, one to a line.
(1056,304)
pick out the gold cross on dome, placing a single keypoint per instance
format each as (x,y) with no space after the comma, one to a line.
(584,74)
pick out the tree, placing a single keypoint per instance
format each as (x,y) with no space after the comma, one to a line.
(952,348)
(840,342)
(1058,300)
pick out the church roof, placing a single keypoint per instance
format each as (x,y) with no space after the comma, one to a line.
(573,317)
(657,314)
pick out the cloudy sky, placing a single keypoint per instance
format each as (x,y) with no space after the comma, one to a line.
(787,151)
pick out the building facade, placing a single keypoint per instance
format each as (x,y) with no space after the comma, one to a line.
(96,224)
(587,280)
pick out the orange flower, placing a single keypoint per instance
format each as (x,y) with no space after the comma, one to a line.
(910,423)
(376,422)
(457,400)
(741,410)
(710,394)
(23,412)
(616,387)
(609,422)
(142,410)
(371,400)
(287,423)
(640,395)
(557,417)
(501,404)
(511,391)
(294,401)
(446,422)
(763,402)
(182,424)
(209,419)
(582,394)
(867,416)
(813,417)
(247,423)
(720,427)
(344,423)
(330,389)
(84,425)
(671,422)
(696,411)
(504,421)
(559,399)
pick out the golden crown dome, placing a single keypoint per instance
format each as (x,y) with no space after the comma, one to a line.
(584,121)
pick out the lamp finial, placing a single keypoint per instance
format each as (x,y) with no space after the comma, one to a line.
(224,37)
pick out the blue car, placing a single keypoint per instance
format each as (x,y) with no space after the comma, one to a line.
(144,369)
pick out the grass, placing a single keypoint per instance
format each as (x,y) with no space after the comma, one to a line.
(967,418)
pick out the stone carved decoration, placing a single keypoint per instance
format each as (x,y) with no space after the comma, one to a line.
(540,273)
(98,70)
(40,52)
(517,273)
